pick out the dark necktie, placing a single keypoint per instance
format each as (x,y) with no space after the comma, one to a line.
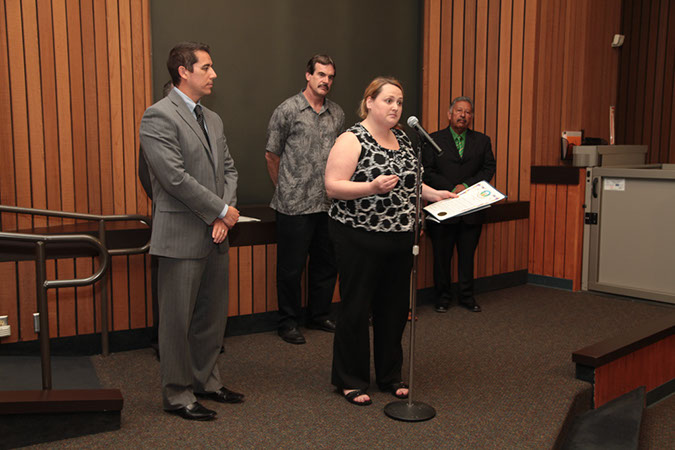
(200,120)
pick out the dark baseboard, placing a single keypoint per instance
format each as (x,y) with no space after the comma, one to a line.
(558,283)
(90,344)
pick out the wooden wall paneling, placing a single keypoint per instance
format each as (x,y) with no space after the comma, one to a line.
(103,103)
(77,105)
(147,52)
(574,240)
(457,68)
(119,283)
(561,231)
(7,180)
(625,374)
(259,276)
(515,102)
(469,49)
(549,229)
(642,69)
(668,142)
(511,248)
(570,64)
(539,229)
(430,78)
(542,98)
(129,153)
(490,266)
(137,308)
(19,109)
(34,104)
(552,157)
(233,284)
(116,118)
(633,40)
(137,49)
(480,84)
(272,304)
(52,300)
(26,298)
(496,249)
(63,107)
(611,90)
(665,68)
(524,228)
(479,271)
(9,295)
(506,243)
(90,106)
(491,113)
(85,313)
(528,118)
(624,70)
(446,66)
(492,77)
(245,280)
(461,47)
(489,238)
(49,111)
(481,254)
(501,146)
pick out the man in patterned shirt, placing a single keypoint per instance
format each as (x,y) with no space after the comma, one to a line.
(300,134)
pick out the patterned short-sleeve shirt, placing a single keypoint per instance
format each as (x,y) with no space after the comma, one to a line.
(390,212)
(302,138)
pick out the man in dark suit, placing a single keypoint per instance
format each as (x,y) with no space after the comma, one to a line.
(194,192)
(467,159)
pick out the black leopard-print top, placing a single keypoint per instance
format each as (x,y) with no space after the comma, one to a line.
(393,211)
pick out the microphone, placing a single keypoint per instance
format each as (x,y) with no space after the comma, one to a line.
(413,122)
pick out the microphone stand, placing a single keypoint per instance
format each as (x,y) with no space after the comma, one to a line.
(409,410)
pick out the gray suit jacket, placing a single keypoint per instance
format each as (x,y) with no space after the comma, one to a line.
(191,183)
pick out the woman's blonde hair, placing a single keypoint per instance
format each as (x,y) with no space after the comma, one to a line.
(373,90)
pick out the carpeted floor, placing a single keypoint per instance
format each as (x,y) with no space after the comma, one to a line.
(502,378)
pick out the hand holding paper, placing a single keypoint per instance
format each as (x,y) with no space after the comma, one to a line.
(479,196)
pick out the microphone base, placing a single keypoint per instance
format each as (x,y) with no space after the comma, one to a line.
(409,411)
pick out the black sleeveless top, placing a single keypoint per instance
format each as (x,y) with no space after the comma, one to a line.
(390,212)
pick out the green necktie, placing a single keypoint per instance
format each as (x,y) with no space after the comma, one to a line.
(459,142)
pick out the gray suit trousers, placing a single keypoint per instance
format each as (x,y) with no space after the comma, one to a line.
(194,289)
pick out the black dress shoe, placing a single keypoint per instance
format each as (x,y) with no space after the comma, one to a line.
(472,306)
(291,335)
(323,325)
(442,307)
(222,395)
(193,411)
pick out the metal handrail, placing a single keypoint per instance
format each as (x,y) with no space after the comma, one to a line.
(101,219)
(42,284)
(97,217)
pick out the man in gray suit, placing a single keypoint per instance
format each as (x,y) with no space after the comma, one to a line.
(194,192)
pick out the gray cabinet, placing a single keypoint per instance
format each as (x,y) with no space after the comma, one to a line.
(629,231)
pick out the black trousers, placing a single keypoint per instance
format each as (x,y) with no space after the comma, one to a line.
(444,237)
(297,238)
(374,273)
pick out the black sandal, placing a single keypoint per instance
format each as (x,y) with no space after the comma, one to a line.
(351,396)
(394,387)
